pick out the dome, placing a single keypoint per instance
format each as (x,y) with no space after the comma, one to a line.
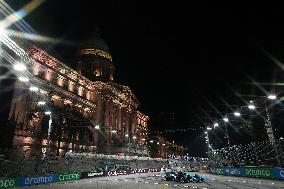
(94,59)
(96,42)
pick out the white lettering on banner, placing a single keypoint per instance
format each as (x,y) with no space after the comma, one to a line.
(267,173)
(258,172)
(6,183)
(281,173)
(91,174)
(70,176)
(233,171)
(38,180)
(248,171)
(219,171)
(133,171)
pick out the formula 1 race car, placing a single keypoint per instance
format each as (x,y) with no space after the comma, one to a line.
(183,177)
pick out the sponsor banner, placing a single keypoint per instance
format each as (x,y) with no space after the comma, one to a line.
(9,182)
(259,172)
(142,170)
(217,171)
(91,174)
(279,173)
(152,170)
(121,172)
(131,171)
(234,171)
(68,176)
(34,180)
(155,170)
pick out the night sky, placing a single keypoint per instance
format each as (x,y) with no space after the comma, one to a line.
(175,56)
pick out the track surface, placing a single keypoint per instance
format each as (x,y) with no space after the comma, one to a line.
(151,181)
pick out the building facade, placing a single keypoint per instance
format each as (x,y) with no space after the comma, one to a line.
(50,104)
(163,148)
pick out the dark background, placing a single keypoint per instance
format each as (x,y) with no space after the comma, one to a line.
(177,57)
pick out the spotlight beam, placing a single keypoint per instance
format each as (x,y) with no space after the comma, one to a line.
(16,16)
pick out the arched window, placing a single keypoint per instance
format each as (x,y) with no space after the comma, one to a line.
(97,68)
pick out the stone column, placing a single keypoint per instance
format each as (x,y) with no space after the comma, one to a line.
(98,116)
(110,117)
(119,124)
(106,116)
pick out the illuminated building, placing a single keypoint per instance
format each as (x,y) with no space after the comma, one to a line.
(142,131)
(162,148)
(90,113)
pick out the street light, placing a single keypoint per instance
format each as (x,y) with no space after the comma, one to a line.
(272,97)
(128,141)
(20,67)
(208,144)
(34,89)
(113,131)
(41,103)
(47,112)
(209,128)
(225,119)
(24,79)
(97,127)
(251,107)
(237,114)
(48,140)
(268,126)
(151,141)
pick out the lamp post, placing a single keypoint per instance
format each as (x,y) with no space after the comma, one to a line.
(48,132)
(207,142)
(270,133)
(226,120)
(271,137)
(128,143)
(268,126)
(46,158)
(135,148)
(281,139)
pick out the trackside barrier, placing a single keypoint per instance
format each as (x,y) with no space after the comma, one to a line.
(257,172)
(279,173)
(9,182)
(35,180)
(68,176)
(233,171)
(63,177)
(91,174)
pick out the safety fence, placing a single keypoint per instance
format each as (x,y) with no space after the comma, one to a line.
(257,172)
(72,163)
(53,178)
